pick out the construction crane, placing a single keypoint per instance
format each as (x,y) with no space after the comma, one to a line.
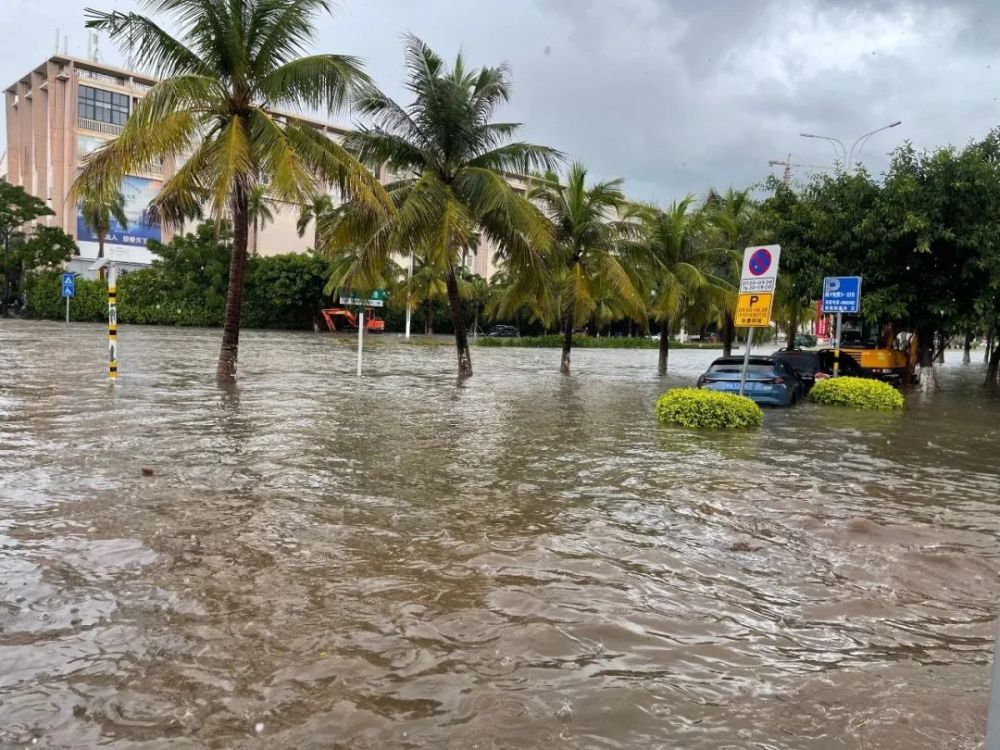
(788,164)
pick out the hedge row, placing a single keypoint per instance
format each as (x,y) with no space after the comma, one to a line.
(699,407)
(857,393)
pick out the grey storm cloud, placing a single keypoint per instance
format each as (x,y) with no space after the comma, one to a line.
(673,95)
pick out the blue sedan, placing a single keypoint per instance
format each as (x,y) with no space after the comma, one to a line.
(769,381)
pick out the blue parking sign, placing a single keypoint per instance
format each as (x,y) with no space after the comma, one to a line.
(68,285)
(842,294)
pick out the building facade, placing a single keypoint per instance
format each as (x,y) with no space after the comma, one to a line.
(66,108)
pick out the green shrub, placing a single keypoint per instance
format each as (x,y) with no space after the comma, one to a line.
(857,393)
(697,407)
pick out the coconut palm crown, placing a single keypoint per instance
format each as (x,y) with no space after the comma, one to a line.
(227,77)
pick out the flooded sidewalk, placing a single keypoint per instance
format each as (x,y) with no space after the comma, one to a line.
(311,560)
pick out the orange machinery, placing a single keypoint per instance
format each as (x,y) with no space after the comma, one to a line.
(372,324)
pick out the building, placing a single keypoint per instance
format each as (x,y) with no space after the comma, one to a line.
(67,107)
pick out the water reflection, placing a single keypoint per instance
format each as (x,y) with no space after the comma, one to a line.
(515,561)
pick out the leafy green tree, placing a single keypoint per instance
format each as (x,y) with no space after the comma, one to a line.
(225,78)
(259,208)
(100,211)
(589,244)
(17,209)
(450,158)
(41,248)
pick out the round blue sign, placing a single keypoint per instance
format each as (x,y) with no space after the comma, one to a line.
(760,261)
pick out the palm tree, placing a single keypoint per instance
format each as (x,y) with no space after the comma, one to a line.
(100,211)
(588,247)
(318,206)
(224,77)
(259,210)
(478,293)
(679,265)
(734,216)
(451,160)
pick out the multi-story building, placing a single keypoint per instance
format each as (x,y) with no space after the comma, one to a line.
(67,107)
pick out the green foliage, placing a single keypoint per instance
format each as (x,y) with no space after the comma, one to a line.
(21,251)
(697,407)
(555,341)
(857,393)
(186,286)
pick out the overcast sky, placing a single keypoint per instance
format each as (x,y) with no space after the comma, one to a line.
(672,95)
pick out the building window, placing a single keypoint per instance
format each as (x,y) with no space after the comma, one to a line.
(102,106)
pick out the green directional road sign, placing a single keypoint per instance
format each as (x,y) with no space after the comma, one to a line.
(375,299)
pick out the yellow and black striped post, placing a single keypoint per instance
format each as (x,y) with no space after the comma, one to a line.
(112,323)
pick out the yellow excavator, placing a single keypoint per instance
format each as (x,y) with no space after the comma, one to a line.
(884,352)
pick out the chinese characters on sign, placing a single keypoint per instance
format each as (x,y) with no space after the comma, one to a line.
(842,294)
(757,282)
(754,310)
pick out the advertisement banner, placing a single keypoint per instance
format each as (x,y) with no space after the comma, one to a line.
(137,192)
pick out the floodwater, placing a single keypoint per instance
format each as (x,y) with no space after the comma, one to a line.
(520,561)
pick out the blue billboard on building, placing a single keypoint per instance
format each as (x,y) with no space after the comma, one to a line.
(138,192)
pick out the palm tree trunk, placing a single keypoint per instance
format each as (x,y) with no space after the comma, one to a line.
(461,336)
(100,245)
(226,371)
(967,349)
(255,229)
(567,339)
(316,233)
(429,317)
(661,367)
(728,333)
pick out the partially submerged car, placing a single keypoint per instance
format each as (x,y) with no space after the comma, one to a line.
(769,381)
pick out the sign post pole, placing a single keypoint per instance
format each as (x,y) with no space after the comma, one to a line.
(112,323)
(836,348)
(746,361)
(361,338)
(68,290)
(841,294)
(758,280)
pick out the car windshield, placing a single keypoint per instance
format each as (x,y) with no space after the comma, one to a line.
(753,369)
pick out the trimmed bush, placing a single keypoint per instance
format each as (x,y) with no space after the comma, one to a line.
(697,407)
(857,393)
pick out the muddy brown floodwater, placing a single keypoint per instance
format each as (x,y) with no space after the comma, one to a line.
(521,561)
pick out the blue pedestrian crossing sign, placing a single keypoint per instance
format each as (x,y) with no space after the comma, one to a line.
(68,285)
(842,294)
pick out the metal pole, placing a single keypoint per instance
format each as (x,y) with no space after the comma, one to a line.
(67,309)
(409,283)
(993,712)
(361,338)
(112,323)
(746,361)
(836,348)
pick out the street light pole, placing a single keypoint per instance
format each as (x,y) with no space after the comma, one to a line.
(855,148)
(860,143)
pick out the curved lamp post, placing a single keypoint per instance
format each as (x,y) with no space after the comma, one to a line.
(855,149)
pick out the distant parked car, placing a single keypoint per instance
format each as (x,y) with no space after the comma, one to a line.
(803,340)
(503,332)
(811,366)
(769,381)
